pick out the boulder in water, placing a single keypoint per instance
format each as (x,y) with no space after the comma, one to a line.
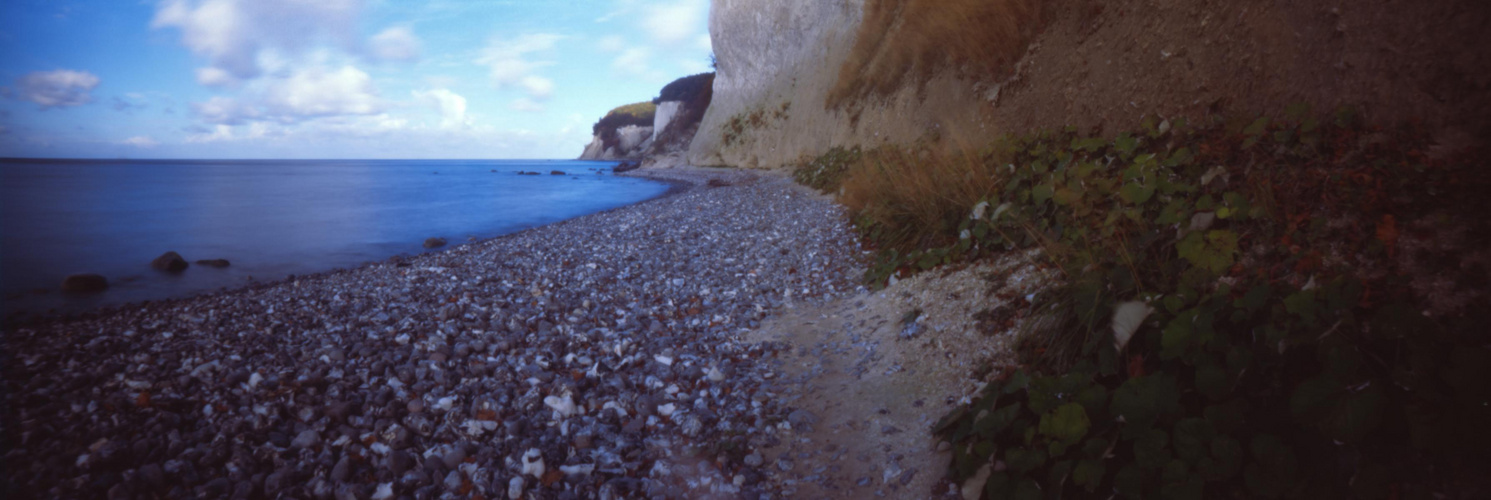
(434,242)
(170,262)
(218,263)
(84,283)
(556,172)
(625,166)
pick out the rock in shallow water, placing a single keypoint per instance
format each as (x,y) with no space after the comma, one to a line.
(84,283)
(169,262)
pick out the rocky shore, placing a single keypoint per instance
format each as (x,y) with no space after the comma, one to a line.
(600,357)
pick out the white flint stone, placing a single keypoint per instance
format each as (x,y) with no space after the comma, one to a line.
(565,406)
(384,491)
(515,488)
(533,463)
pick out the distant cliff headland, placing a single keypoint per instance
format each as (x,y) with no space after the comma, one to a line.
(657,130)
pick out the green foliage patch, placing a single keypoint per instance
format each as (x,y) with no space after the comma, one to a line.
(825,173)
(1287,354)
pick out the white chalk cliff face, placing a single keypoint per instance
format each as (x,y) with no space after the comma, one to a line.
(666,110)
(777,60)
(633,140)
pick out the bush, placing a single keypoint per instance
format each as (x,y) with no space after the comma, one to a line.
(1279,347)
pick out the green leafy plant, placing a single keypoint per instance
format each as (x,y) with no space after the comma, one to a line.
(1286,355)
(826,172)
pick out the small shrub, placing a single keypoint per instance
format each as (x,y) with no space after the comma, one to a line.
(1284,352)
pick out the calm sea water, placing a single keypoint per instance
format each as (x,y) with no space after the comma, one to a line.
(270,219)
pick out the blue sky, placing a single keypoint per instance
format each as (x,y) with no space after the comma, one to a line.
(332,78)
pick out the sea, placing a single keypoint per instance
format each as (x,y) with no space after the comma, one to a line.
(269,219)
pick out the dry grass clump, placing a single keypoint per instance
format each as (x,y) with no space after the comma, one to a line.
(903,39)
(915,198)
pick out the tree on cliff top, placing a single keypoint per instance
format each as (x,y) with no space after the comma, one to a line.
(638,113)
(686,88)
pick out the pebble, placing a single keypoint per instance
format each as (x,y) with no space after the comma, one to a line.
(515,488)
(306,439)
(598,347)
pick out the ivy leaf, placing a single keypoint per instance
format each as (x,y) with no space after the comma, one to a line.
(1257,127)
(997,420)
(1272,473)
(1150,449)
(1125,144)
(1225,459)
(1355,415)
(1136,193)
(1130,481)
(1023,460)
(1302,304)
(1041,193)
(1067,424)
(1142,400)
(1227,417)
(1213,251)
(1088,474)
(1176,337)
(1312,399)
(1192,438)
(1212,381)
(1191,488)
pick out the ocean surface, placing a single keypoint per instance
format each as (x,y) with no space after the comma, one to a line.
(270,219)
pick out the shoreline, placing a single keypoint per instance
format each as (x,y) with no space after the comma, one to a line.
(23,318)
(609,346)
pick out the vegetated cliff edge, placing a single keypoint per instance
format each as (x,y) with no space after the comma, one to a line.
(796,78)
(622,134)
(655,131)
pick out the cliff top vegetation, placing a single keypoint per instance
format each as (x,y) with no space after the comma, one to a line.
(637,113)
(684,89)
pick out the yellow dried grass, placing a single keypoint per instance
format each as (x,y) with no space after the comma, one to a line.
(914,39)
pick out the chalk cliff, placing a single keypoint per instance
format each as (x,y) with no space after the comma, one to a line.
(623,134)
(778,60)
(656,132)
(795,78)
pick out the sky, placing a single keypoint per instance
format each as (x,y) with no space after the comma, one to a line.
(364,79)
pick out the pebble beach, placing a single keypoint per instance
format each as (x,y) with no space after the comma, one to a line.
(599,357)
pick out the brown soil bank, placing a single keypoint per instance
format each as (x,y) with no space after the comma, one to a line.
(1105,64)
(796,79)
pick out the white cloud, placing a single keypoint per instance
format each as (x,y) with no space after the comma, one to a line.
(140,141)
(511,63)
(452,106)
(316,91)
(526,105)
(396,44)
(56,89)
(213,76)
(671,24)
(303,94)
(611,44)
(634,61)
(539,87)
(231,33)
(218,133)
(224,111)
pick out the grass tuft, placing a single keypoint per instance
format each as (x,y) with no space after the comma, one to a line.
(914,198)
(914,39)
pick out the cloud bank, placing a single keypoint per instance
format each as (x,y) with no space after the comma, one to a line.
(56,89)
